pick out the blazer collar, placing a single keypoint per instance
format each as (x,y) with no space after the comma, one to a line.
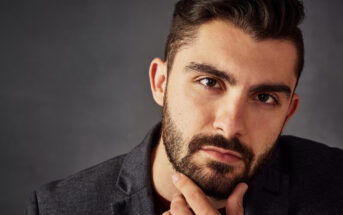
(268,191)
(134,178)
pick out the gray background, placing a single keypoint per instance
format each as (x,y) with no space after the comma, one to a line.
(74,84)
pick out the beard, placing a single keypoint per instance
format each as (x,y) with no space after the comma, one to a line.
(215,179)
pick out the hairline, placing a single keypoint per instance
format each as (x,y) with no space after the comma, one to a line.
(193,35)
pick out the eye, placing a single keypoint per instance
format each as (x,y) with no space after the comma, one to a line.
(267,99)
(209,82)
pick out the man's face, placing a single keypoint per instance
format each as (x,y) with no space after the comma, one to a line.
(228,98)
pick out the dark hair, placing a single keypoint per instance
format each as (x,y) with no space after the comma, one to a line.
(262,19)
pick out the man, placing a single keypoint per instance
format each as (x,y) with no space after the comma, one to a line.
(227,88)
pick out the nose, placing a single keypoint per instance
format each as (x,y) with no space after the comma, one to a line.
(229,116)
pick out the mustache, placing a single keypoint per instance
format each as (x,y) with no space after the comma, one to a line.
(233,144)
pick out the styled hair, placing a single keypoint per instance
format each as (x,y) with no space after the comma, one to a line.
(261,19)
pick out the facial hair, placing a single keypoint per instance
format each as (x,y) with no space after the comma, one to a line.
(216,179)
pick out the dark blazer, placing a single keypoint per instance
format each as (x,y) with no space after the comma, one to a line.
(302,177)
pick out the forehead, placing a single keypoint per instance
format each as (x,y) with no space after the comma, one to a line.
(226,47)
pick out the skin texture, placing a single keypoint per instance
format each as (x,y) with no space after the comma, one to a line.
(246,99)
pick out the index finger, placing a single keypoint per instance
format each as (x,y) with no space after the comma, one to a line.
(194,196)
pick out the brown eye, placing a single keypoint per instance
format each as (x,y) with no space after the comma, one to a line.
(209,82)
(266,98)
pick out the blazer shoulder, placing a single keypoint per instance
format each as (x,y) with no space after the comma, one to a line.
(305,149)
(308,155)
(95,175)
(84,191)
(315,172)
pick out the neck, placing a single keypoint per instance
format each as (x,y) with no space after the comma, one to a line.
(162,171)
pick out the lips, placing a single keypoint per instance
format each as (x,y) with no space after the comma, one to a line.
(222,155)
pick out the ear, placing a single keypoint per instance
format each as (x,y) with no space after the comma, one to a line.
(158,80)
(293,107)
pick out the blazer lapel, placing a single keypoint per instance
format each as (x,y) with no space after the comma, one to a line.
(140,203)
(135,181)
(268,191)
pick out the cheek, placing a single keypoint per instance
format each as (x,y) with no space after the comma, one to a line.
(264,127)
(191,111)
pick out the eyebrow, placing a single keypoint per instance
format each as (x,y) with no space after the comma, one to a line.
(278,88)
(205,68)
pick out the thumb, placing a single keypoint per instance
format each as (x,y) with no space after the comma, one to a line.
(234,204)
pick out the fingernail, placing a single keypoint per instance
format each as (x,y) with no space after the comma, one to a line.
(176,177)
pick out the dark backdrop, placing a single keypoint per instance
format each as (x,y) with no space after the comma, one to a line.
(74,85)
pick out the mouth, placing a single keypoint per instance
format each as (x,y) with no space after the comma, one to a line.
(228,157)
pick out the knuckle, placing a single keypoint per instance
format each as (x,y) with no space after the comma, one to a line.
(177,202)
(232,201)
(196,198)
(195,193)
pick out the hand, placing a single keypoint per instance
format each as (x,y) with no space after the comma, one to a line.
(192,198)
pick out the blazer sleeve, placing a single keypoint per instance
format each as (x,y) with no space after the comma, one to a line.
(32,205)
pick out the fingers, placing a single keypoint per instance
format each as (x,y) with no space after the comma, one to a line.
(234,204)
(179,206)
(193,195)
(198,202)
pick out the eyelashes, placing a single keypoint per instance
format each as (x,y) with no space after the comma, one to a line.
(267,98)
(212,84)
